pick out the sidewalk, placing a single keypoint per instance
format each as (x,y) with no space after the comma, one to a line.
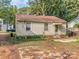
(66,40)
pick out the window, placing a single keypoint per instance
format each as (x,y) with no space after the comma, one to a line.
(46,27)
(28,25)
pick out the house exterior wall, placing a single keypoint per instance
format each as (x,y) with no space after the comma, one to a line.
(36,29)
(62,29)
(2,26)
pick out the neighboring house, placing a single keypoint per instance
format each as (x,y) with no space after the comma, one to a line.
(2,26)
(5,27)
(73,22)
(10,27)
(39,25)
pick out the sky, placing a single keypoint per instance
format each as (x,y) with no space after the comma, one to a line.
(19,3)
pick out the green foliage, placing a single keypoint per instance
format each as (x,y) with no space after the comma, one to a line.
(76,25)
(65,9)
(7,11)
(25,10)
(11,15)
(21,39)
(72,9)
(60,8)
(4,4)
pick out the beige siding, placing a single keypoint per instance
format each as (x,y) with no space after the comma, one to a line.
(62,28)
(4,28)
(51,29)
(36,29)
(20,28)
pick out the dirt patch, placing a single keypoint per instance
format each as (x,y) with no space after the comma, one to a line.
(4,36)
(9,52)
(36,52)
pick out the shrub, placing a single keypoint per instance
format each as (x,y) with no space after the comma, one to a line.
(21,39)
(76,25)
(35,37)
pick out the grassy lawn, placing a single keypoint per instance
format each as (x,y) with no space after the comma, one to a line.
(35,44)
(39,41)
(71,46)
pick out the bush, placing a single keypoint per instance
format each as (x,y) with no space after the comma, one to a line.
(35,37)
(21,39)
(76,25)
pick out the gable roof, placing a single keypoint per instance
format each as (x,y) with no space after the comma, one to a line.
(73,22)
(32,18)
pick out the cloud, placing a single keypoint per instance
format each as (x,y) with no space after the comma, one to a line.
(19,3)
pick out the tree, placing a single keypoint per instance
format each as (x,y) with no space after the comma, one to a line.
(7,12)
(24,10)
(4,4)
(65,9)
(11,15)
(72,7)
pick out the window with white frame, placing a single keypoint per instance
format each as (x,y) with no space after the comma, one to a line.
(28,26)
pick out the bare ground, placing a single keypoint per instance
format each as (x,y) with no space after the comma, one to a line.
(48,49)
(9,52)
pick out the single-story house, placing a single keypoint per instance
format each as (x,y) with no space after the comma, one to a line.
(27,25)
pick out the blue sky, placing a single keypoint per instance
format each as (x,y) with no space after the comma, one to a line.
(19,3)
